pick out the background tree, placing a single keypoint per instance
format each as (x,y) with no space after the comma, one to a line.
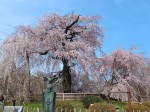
(15,68)
(126,71)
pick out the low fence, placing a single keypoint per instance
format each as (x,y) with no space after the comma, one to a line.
(77,96)
(35,109)
(80,96)
(74,96)
(77,110)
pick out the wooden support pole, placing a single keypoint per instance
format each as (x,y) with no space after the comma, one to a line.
(129,98)
(129,101)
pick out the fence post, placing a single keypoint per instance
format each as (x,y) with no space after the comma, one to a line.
(38,110)
(27,109)
(74,109)
(23,109)
(80,110)
(86,110)
(63,97)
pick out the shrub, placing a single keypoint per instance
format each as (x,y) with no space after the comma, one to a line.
(63,106)
(102,107)
(90,100)
(137,107)
(146,104)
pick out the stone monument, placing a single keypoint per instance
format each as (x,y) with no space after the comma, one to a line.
(49,95)
(13,109)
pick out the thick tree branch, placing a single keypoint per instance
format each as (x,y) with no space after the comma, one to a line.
(44,53)
(72,35)
(71,25)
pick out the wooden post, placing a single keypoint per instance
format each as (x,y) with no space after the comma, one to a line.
(63,96)
(129,98)
(129,101)
(38,109)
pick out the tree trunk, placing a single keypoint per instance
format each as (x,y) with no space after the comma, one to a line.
(6,85)
(66,77)
(28,94)
(28,68)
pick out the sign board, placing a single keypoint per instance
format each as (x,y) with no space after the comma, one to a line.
(13,109)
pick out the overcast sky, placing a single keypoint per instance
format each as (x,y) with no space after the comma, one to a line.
(126,23)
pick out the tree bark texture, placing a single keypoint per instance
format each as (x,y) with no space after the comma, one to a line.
(66,77)
(29,92)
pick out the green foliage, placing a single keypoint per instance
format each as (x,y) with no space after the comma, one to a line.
(64,106)
(137,107)
(90,100)
(120,105)
(146,104)
(77,104)
(102,107)
(30,106)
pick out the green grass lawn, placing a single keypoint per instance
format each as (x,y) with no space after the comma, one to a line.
(120,105)
(76,104)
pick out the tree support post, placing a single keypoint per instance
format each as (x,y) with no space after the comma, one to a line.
(129,101)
